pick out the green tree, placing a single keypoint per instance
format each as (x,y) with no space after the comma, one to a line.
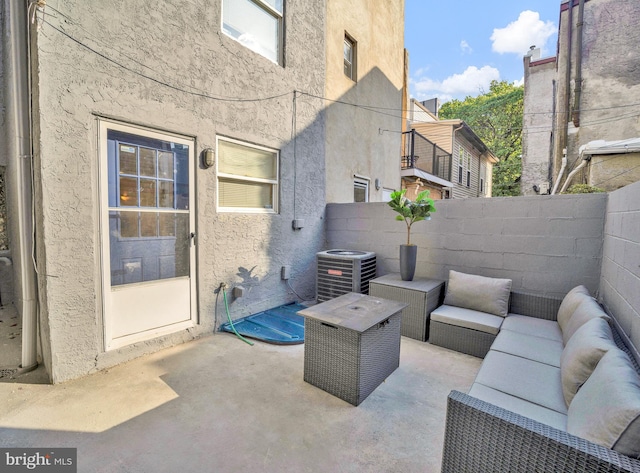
(496,117)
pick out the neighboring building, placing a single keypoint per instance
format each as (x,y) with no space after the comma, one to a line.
(537,124)
(177,147)
(365,67)
(593,96)
(445,156)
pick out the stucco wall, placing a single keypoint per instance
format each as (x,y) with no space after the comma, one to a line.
(546,245)
(610,67)
(621,260)
(537,124)
(358,140)
(180,44)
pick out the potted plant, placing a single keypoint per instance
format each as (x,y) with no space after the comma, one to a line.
(410,212)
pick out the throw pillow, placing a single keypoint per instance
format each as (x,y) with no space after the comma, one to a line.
(582,353)
(569,304)
(587,310)
(480,293)
(606,409)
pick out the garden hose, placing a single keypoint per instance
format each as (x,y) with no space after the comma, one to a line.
(226,306)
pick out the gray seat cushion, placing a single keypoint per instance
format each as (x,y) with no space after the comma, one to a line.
(519,406)
(467,318)
(479,293)
(535,382)
(542,350)
(533,326)
(606,409)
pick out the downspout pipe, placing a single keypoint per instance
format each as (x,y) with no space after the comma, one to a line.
(560,174)
(578,85)
(20,155)
(567,78)
(582,164)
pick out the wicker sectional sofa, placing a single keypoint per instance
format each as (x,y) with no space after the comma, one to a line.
(558,390)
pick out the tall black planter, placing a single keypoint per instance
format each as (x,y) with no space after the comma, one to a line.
(408,255)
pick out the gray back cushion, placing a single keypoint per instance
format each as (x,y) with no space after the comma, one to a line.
(480,293)
(582,353)
(570,303)
(606,409)
(587,310)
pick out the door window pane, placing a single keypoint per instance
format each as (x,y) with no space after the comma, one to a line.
(165,165)
(147,162)
(128,191)
(128,160)
(165,194)
(147,193)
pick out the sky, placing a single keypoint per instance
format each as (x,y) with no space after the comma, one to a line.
(457,48)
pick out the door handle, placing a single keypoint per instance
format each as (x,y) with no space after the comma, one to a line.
(192,238)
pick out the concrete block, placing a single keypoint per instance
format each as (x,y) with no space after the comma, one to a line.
(465,208)
(632,257)
(360,224)
(630,227)
(336,224)
(590,206)
(483,226)
(526,226)
(588,227)
(589,247)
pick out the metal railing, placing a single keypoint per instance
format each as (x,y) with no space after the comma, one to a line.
(420,153)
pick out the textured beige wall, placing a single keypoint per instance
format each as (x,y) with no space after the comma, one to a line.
(610,70)
(360,141)
(179,43)
(537,124)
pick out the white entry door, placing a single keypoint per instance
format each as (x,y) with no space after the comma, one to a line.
(148,244)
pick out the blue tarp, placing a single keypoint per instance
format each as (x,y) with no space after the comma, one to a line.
(280,325)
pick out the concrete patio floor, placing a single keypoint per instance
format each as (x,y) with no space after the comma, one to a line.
(219,405)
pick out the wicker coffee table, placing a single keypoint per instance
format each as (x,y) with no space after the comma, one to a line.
(352,344)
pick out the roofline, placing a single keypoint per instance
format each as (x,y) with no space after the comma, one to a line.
(424,109)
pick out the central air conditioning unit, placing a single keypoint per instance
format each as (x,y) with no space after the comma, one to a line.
(343,271)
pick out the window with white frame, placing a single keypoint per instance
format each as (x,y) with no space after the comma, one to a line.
(247,177)
(464,167)
(257,24)
(350,57)
(360,189)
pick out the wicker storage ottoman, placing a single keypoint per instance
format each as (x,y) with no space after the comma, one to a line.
(352,344)
(422,296)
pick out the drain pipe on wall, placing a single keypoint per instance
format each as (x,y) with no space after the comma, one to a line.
(19,188)
(561,173)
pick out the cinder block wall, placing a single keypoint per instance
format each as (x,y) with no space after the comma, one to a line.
(620,281)
(545,244)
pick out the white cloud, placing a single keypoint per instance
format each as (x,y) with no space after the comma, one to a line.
(519,82)
(519,35)
(472,81)
(464,46)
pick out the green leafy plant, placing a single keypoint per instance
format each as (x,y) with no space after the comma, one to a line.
(411,211)
(583,189)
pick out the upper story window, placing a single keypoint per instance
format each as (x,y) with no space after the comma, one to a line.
(350,57)
(247,177)
(360,189)
(464,167)
(257,24)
